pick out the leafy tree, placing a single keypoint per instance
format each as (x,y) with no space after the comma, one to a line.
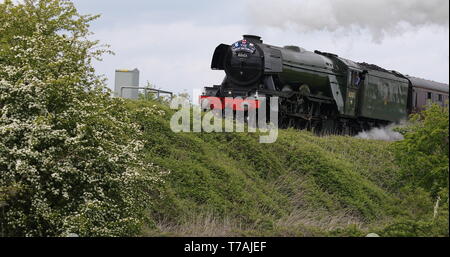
(423,155)
(70,157)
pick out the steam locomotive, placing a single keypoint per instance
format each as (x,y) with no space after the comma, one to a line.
(320,91)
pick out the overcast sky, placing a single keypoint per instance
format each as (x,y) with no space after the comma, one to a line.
(172,42)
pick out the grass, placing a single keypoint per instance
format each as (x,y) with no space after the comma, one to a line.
(303,185)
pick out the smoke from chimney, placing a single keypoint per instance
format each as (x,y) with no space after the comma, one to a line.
(379,17)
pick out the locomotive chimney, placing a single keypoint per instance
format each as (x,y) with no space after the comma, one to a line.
(253,39)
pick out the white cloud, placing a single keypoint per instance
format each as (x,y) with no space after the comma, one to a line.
(177,56)
(422,52)
(175,52)
(378,17)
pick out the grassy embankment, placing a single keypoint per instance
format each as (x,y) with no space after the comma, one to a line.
(303,185)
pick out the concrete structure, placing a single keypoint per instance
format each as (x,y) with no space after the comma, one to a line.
(127,79)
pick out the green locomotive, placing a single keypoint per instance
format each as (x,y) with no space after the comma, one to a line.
(318,90)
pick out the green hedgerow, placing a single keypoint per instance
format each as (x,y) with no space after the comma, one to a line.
(70,155)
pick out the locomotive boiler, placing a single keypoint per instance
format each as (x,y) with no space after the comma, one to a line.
(317,90)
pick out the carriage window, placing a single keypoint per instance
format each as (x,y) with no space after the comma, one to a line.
(440,98)
(430,96)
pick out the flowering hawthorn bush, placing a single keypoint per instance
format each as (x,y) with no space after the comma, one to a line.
(69,154)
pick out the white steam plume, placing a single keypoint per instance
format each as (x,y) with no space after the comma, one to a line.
(384,134)
(379,17)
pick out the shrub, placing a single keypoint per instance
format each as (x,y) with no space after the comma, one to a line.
(70,156)
(423,155)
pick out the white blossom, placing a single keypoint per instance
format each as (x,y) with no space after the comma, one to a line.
(70,152)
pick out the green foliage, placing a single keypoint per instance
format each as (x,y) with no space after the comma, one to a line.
(204,178)
(74,160)
(423,155)
(350,231)
(70,156)
(302,185)
(411,228)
